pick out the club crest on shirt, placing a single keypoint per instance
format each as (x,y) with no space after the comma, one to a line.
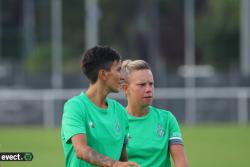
(117,126)
(91,124)
(160,130)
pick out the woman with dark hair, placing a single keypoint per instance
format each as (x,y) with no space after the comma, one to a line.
(94,127)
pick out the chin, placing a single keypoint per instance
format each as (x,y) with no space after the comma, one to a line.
(115,90)
(148,102)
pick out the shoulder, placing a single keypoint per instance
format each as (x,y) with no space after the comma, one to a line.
(76,100)
(161,112)
(168,120)
(117,107)
(75,104)
(164,115)
(115,104)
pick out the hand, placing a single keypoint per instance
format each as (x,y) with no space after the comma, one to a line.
(125,164)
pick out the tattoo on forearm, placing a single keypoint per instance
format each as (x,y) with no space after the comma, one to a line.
(97,159)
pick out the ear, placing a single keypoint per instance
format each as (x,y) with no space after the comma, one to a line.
(102,74)
(124,87)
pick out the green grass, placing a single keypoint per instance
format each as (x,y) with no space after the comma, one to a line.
(217,146)
(205,146)
(45,144)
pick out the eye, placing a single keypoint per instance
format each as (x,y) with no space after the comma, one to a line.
(119,69)
(142,84)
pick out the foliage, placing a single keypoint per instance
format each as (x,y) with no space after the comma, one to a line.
(73,28)
(39,60)
(218,33)
(116,22)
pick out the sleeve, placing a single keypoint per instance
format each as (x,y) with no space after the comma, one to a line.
(72,120)
(174,131)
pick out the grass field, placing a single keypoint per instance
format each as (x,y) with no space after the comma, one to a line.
(206,146)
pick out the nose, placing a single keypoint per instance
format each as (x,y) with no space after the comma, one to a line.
(122,80)
(149,88)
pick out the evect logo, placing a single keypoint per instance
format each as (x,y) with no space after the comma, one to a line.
(16,156)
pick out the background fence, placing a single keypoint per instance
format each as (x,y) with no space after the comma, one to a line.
(45,107)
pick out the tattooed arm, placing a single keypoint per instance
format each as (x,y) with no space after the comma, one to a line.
(86,153)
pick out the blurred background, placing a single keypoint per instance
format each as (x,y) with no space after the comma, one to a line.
(198,50)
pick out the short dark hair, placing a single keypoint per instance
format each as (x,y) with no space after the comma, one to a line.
(97,58)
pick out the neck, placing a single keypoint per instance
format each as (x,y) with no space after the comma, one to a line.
(137,111)
(97,94)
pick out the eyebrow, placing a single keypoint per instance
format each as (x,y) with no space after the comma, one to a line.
(145,82)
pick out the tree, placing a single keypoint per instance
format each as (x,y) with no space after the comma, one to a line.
(218,33)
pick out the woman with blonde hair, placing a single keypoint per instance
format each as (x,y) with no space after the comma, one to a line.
(154,133)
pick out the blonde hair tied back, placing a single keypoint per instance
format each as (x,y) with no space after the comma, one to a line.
(128,66)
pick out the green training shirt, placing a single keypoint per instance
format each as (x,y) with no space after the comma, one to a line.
(106,129)
(150,137)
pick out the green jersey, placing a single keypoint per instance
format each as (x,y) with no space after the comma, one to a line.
(150,137)
(105,129)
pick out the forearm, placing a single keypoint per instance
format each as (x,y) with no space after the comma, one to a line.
(178,155)
(182,163)
(88,154)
